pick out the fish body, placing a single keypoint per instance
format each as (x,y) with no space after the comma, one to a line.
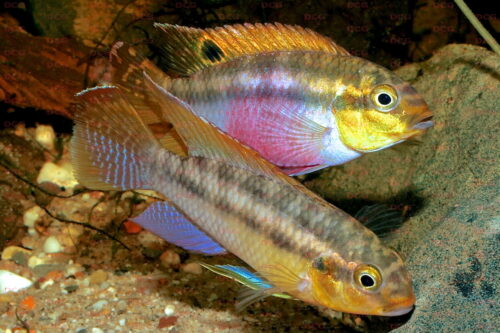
(303,246)
(294,96)
(301,110)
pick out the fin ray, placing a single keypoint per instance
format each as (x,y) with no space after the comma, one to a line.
(189,50)
(380,219)
(165,220)
(110,145)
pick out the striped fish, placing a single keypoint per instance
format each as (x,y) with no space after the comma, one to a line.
(293,95)
(299,245)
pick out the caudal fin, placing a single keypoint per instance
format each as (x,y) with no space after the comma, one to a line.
(111,147)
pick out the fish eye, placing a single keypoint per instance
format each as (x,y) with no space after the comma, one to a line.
(368,277)
(384,97)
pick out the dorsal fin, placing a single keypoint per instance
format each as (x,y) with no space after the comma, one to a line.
(189,50)
(204,139)
(127,74)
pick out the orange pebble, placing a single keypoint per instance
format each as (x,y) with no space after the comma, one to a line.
(54,275)
(28,303)
(131,227)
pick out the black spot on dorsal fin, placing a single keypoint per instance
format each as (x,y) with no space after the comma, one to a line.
(212,51)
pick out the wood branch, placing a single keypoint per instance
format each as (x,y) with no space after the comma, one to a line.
(40,72)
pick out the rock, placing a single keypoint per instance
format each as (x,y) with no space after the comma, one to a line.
(61,175)
(451,183)
(170,259)
(45,135)
(10,282)
(192,267)
(17,254)
(98,277)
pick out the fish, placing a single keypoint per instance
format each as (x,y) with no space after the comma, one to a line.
(234,200)
(296,97)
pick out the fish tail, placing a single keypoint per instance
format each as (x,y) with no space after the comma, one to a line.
(111,148)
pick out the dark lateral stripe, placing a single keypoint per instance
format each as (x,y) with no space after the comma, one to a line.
(224,175)
(303,218)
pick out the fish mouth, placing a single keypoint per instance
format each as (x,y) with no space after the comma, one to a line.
(399,312)
(423,124)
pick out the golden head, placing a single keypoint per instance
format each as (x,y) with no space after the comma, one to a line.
(381,286)
(375,109)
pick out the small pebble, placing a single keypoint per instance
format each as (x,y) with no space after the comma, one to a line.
(122,322)
(169,310)
(149,240)
(131,227)
(121,306)
(71,288)
(29,242)
(169,259)
(34,261)
(52,245)
(192,267)
(167,321)
(99,305)
(96,330)
(72,269)
(98,277)
(31,216)
(45,136)
(10,282)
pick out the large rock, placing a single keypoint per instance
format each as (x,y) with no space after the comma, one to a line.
(452,182)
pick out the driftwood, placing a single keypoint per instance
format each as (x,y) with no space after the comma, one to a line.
(40,72)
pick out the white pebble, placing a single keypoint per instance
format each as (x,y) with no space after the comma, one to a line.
(52,245)
(31,216)
(122,322)
(45,135)
(10,282)
(99,305)
(60,175)
(96,330)
(169,310)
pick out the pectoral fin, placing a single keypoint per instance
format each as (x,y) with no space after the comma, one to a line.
(380,219)
(205,140)
(291,136)
(259,287)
